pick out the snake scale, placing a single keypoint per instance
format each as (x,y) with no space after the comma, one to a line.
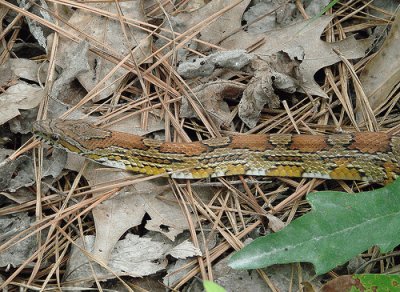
(365,156)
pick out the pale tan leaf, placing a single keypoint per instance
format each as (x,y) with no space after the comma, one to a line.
(133,256)
(16,97)
(305,34)
(382,73)
(109,33)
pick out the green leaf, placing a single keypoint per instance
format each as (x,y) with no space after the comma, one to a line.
(339,227)
(379,282)
(210,286)
(364,282)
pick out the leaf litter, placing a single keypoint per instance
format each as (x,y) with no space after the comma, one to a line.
(176,73)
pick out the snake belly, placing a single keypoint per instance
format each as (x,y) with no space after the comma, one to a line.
(365,156)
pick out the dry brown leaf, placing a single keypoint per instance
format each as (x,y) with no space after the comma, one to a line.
(128,208)
(269,15)
(28,69)
(109,33)
(133,124)
(213,32)
(19,173)
(211,96)
(382,74)
(280,276)
(16,97)
(132,256)
(227,24)
(205,66)
(270,73)
(7,76)
(306,35)
(343,283)
(76,56)
(10,226)
(184,250)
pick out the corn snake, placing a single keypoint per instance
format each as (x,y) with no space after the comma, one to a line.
(365,156)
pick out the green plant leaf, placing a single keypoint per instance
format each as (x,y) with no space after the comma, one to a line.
(210,286)
(363,282)
(339,227)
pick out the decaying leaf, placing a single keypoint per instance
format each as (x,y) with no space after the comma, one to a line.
(107,33)
(28,69)
(184,250)
(281,276)
(211,96)
(76,56)
(289,63)
(364,282)
(214,32)
(269,15)
(276,72)
(229,23)
(234,60)
(133,125)
(305,34)
(20,173)
(7,76)
(382,74)
(134,256)
(126,210)
(10,226)
(16,97)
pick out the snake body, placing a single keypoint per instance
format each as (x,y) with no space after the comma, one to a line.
(366,156)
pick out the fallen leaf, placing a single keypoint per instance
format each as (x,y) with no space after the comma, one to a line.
(7,76)
(108,32)
(129,206)
(266,16)
(11,225)
(364,282)
(19,173)
(281,276)
(205,66)
(28,69)
(214,32)
(133,124)
(211,97)
(305,34)
(16,97)
(76,55)
(381,75)
(276,72)
(132,256)
(184,250)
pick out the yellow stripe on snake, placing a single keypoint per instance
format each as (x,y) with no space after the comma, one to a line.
(366,156)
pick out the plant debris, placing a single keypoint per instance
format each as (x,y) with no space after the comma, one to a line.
(179,71)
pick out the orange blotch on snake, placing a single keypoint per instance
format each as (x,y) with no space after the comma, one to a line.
(308,143)
(189,149)
(256,142)
(371,142)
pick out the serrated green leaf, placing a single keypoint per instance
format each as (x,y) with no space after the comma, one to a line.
(210,286)
(339,227)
